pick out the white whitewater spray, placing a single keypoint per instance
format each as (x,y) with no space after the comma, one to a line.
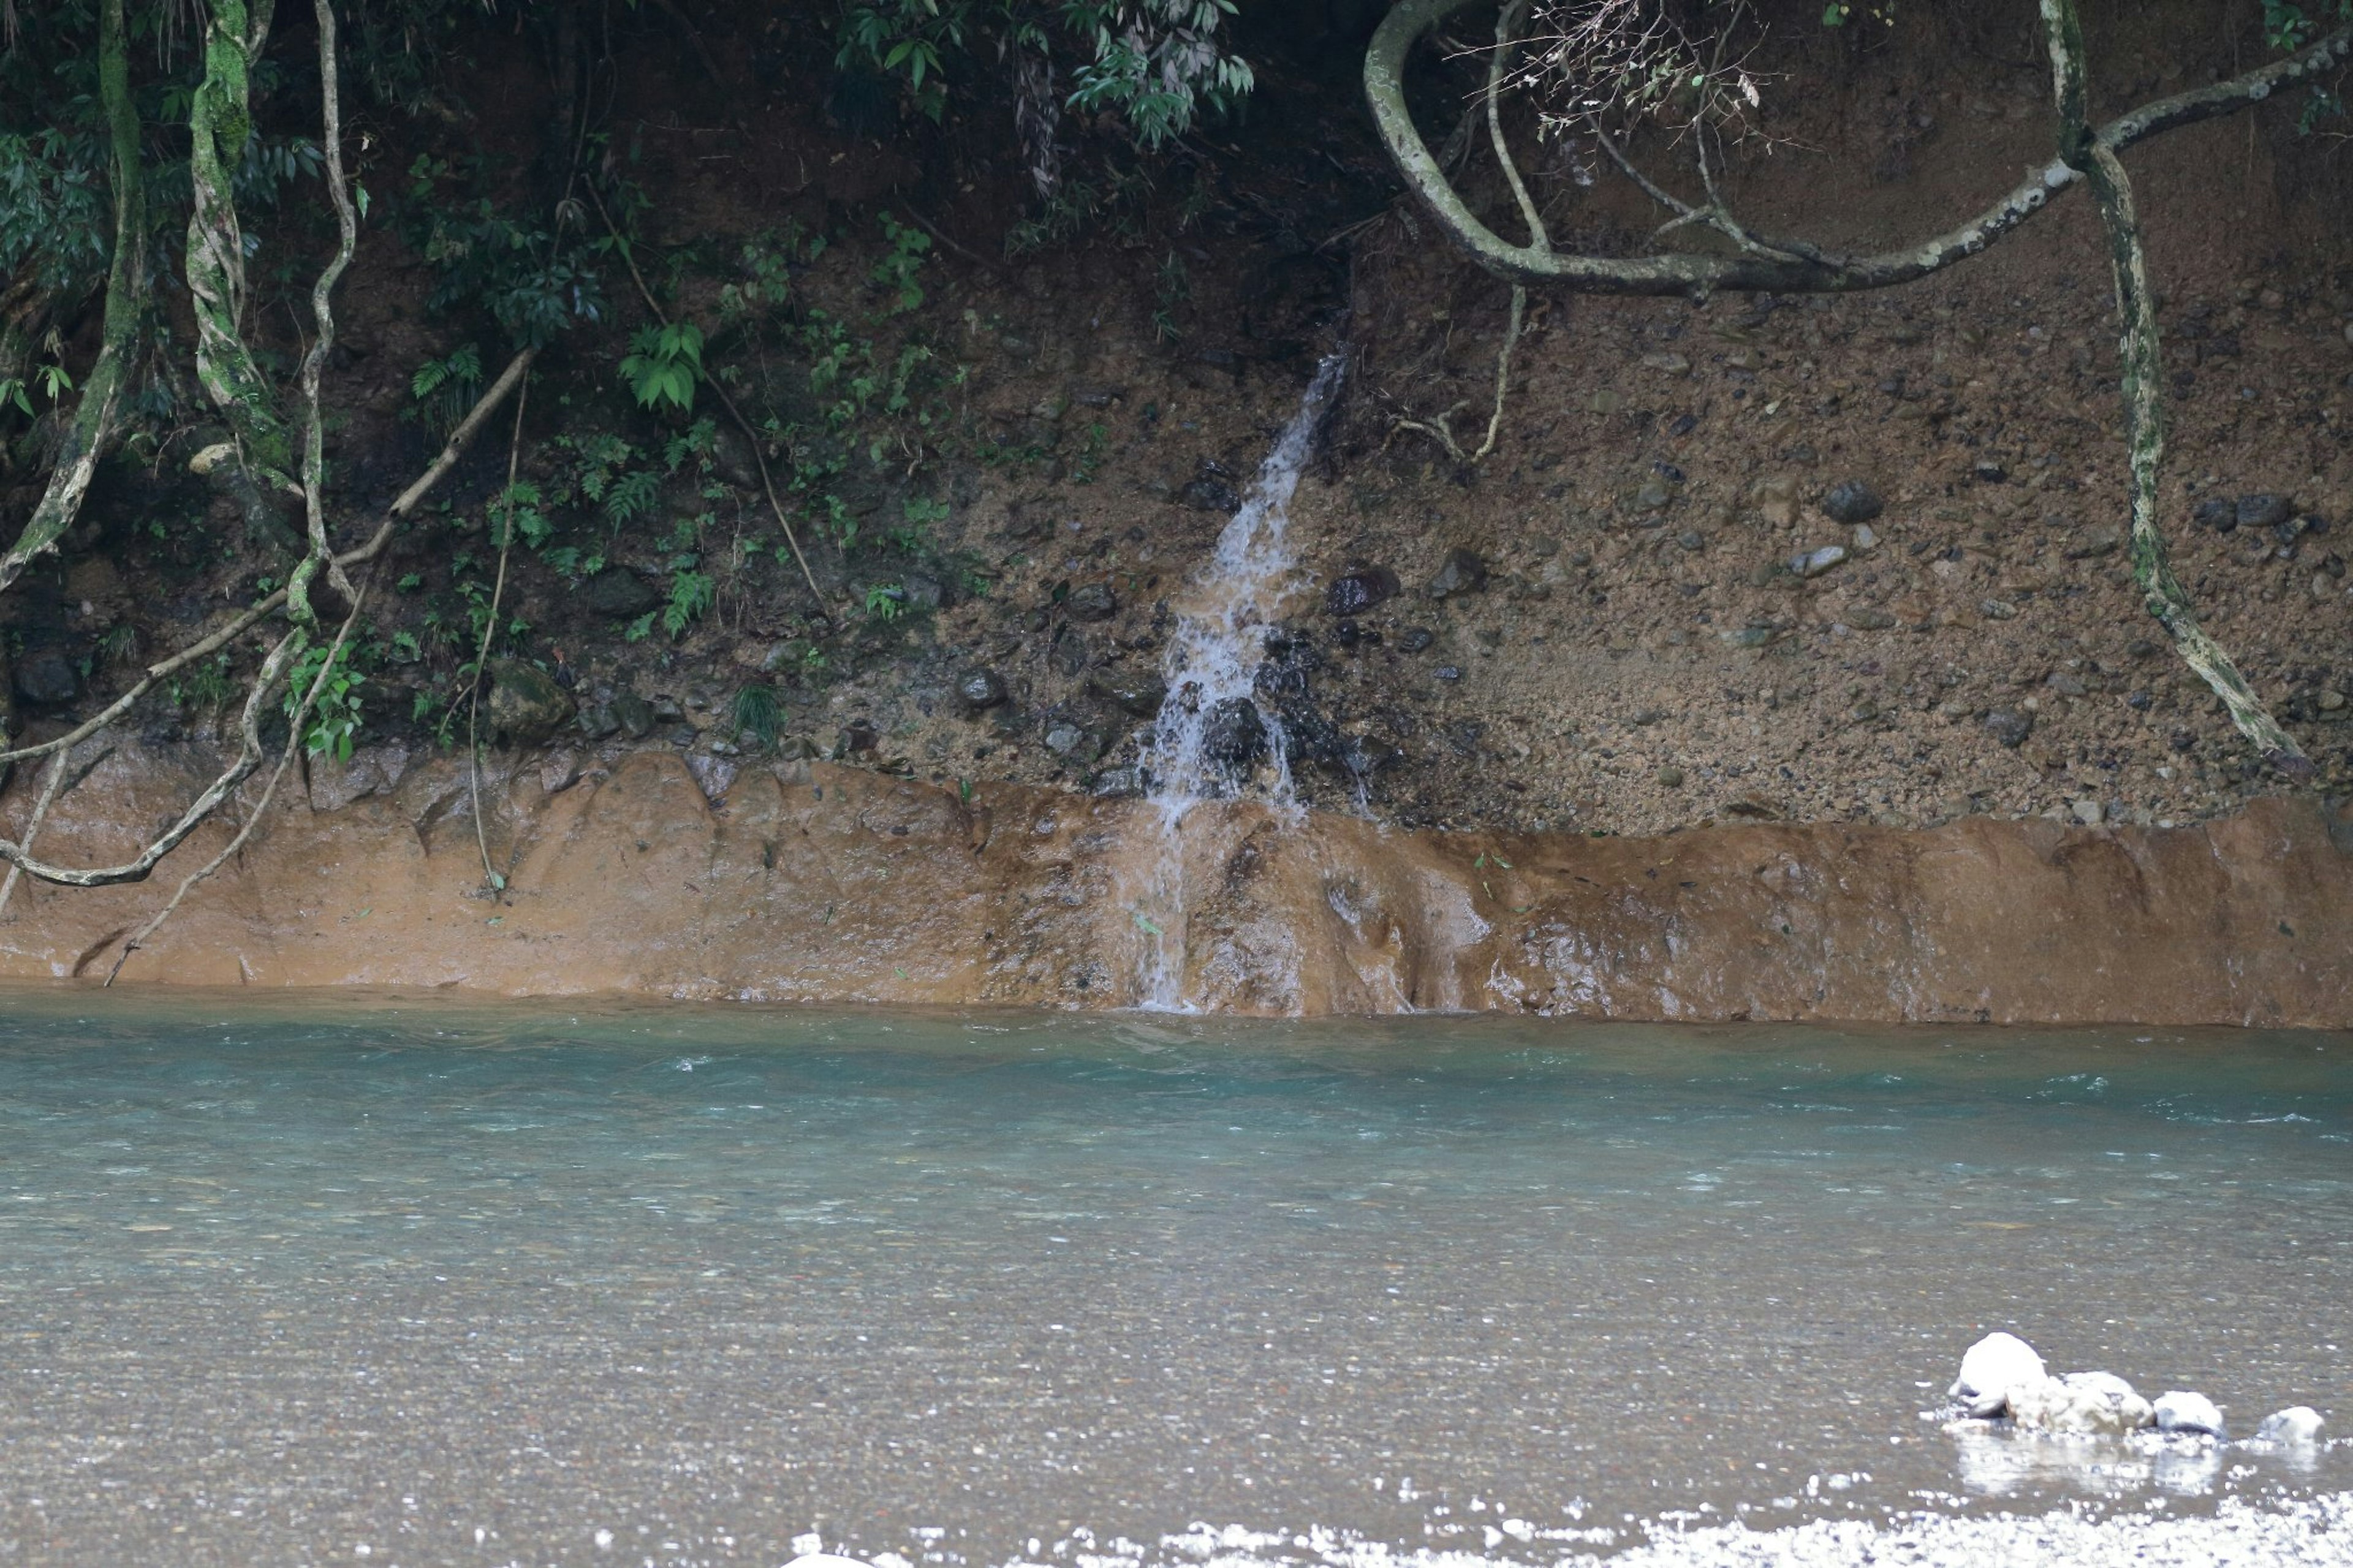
(1209,723)
(1211,736)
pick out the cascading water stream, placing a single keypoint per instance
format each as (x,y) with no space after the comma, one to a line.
(1212,739)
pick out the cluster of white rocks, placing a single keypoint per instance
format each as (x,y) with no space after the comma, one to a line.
(2002,1375)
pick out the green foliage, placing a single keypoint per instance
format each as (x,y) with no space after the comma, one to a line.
(443,389)
(757,714)
(886,602)
(2288,26)
(208,687)
(533,282)
(52,379)
(896,271)
(663,365)
(1172,290)
(1156,64)
(335,711)
(1094,446)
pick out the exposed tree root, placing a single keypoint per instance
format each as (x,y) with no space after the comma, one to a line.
(491,878)
(1440,427)
(253,818)
(94,423)
(2143,386)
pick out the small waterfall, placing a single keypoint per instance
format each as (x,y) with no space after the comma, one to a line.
(1212,739)
(1211,735)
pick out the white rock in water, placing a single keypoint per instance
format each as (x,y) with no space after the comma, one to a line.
(2297,1424)
(2127,1408)
(1993,1366)
(2082,1404)
(2181,1412)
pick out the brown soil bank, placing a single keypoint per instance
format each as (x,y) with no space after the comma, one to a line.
(816,883)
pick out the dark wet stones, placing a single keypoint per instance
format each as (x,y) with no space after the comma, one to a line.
(1118,784)
(47,677)
(526,705)
(1211,493)
(1460,572)
(1091,602)
(1140,698)
(633,714)
(616,591)
(1852,502)
(1234,735)
(921,592)
(979,689)
(1989,473)
(2010,726)
(1416,639)
(2217,512)
(2264,509)
(859,739)
(1353,593)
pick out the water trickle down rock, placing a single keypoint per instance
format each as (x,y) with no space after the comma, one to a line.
(1219,643)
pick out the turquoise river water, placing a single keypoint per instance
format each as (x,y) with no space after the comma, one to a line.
(399,1281)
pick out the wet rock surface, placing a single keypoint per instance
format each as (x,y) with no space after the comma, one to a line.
(526,706)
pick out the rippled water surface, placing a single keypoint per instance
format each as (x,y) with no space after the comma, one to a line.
(394,1280)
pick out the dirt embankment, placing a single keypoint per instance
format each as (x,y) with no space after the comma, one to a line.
(1629,621)
(815,882)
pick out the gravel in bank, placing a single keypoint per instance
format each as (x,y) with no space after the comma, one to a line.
(2310,1532)
(2315,1531)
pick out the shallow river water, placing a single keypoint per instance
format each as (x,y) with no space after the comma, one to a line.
(397,1280)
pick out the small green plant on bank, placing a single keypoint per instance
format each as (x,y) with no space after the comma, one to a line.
(53,381)
(1172,290)
(442,390)
(757,714)
(663,365)
(336,714)
(208,687)
(886,602)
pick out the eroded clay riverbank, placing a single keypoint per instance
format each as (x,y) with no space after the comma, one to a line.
(816,883)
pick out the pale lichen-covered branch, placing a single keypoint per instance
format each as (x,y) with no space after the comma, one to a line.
(1802,269)
(93,425)
(2140,356)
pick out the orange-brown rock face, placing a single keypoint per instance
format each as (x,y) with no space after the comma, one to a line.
(823,883)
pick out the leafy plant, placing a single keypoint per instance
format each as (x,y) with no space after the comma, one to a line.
(886,602)
(442,390)
(757,714)
(692,594)
(896,271)
(663,365)
(335,712)
(53,381)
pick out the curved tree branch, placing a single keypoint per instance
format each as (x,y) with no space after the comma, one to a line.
(249,757)
(1799,271)
(2139,353)
(295,725)
(126,292)
(314,363)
